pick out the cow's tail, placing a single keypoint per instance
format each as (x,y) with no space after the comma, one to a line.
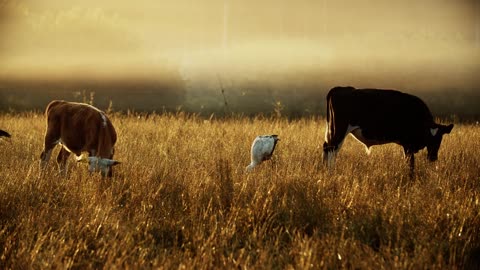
(328,107)
(328,126)
(332,136)
(344,93)
(328,122)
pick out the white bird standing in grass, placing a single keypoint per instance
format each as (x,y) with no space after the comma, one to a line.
(262,149)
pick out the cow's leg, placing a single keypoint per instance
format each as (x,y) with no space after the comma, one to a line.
(410,156)
(51,139)
(62,160)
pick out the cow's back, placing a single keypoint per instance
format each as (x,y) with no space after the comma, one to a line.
(389,108)
(383,115)
(71,116)
(80,127)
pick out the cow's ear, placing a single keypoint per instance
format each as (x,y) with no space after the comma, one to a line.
(115,162)
(447,129)
(433,131)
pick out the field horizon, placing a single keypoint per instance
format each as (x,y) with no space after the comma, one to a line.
(181,199)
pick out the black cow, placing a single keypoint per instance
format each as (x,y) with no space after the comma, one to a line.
(375,116)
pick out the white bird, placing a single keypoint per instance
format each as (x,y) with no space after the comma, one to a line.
(262,149)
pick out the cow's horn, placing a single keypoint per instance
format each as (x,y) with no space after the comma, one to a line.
(109,162)
(82,158)
(112,162)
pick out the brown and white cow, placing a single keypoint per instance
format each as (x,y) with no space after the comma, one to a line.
(376,116)
(79,128)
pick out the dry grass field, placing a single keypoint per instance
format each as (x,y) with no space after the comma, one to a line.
(181,200)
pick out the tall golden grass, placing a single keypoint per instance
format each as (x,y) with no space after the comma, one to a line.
(181,199)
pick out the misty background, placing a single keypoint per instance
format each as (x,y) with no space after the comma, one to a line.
(268,57)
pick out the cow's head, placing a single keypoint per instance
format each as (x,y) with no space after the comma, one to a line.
(435,136)
(95,164)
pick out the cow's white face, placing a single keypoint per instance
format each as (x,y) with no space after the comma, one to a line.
(103,165)
(96,164)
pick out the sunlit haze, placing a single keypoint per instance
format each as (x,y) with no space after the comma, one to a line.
(424,44)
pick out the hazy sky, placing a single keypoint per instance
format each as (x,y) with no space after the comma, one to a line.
(142,37)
